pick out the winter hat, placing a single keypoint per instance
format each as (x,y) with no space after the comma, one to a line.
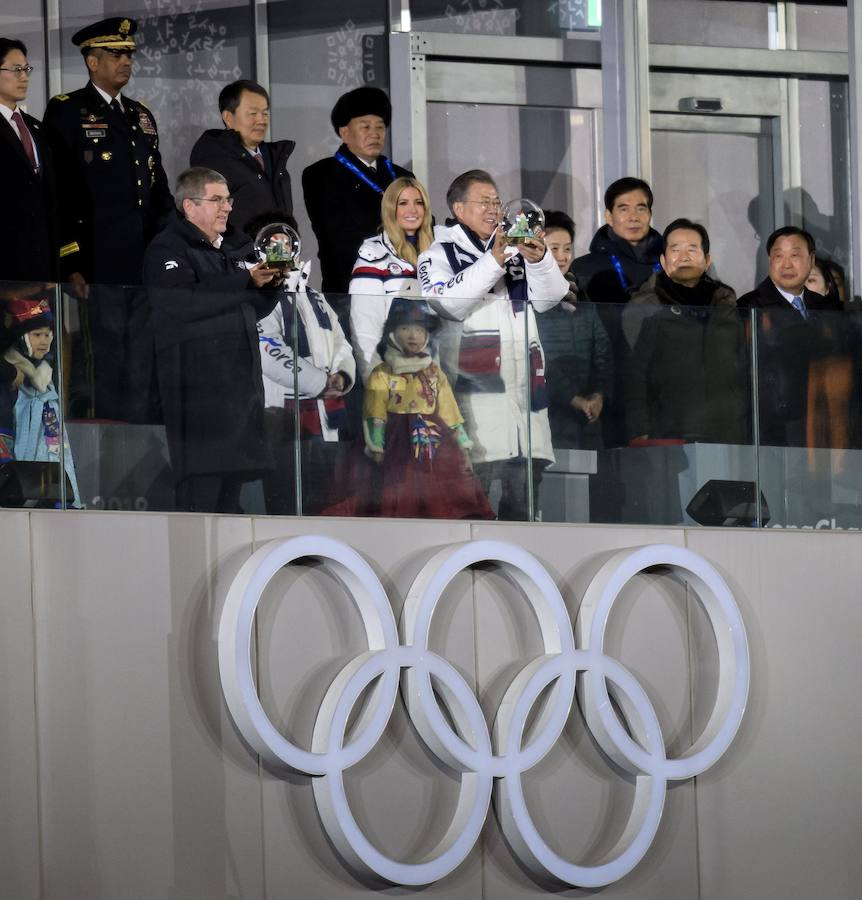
(363,101)
(23,316)
(404,311)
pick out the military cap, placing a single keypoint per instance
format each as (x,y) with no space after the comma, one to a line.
(362,101)
(109,34)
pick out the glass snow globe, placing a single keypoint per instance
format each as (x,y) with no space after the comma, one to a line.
(522,220)
(278,246)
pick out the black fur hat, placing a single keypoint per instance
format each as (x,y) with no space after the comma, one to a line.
(363,101)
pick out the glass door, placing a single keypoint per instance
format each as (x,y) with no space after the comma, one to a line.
(722,172)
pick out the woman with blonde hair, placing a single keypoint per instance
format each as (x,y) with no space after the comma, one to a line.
(386,266)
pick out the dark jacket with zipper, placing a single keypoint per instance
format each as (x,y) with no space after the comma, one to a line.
(686,376)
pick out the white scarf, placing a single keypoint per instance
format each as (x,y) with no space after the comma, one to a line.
(404,365)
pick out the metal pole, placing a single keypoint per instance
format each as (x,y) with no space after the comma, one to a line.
(625,90)
(61,393)
(854,59)
(755,413)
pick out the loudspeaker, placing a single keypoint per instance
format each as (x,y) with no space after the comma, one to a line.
(32,484)
(730,503)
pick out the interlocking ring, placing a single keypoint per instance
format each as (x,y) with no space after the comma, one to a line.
(481,757)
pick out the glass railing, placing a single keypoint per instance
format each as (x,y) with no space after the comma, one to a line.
(268,402)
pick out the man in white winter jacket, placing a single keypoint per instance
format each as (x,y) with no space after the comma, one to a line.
(490,344)
(317,363)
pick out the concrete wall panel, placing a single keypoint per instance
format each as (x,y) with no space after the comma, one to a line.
(145,787)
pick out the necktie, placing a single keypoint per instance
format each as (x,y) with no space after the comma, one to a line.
(115,106)
(799,305)
(257,156)
(26,140)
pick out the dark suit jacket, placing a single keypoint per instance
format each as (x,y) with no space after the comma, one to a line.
(786,344)
(112,190)
(344,211)
(29,247)
(254,190)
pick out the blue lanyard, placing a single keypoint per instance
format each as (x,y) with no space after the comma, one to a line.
(622,275)
(361,175)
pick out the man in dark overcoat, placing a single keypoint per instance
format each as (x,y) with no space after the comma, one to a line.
(255,169)
(29,248)
(787,332)
(206,299)
(113,197)
(686,376)
(343,192)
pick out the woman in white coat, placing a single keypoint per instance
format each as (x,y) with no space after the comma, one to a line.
(386,266)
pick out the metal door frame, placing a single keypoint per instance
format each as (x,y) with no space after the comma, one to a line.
(431,67)
(747,103)
(631,72)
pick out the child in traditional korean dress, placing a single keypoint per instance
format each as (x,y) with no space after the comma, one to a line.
(37,432)
(413,427)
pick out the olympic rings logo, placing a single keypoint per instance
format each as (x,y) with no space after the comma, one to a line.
(484,757)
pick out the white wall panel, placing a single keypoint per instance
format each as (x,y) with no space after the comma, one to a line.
(147,790)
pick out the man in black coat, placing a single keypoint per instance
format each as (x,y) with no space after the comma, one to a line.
(113,194)
(787,332)
(255,169)
(342,192)
(686,375)
(206,301)
(624,252)
(28,231)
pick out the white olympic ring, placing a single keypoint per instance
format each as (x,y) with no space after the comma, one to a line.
(469,748)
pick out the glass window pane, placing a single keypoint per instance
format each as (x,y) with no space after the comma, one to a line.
(683,404)
(821,26)
(506,17)
(186,55)
(23,21)
(808,415)
(824,196)
(730,191)
(543,154)
(316,55)
(709,23)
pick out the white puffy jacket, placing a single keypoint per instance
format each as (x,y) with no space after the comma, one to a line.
(481,317)
(329,351)
(379,275)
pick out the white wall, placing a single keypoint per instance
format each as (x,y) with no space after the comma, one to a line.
(124,776)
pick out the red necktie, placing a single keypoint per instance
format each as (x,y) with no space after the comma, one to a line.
(26,140)
(257,156)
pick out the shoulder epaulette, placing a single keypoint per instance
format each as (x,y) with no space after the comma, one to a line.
(60,97)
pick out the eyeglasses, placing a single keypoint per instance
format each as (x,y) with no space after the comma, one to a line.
(496,205)
(220,201)
(18,71)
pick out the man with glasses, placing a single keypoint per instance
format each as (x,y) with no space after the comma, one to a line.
(113,195)
(487,291)
(28,235)
(206,300)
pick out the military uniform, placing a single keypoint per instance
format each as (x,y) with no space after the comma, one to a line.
(113,195)
(113,190)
